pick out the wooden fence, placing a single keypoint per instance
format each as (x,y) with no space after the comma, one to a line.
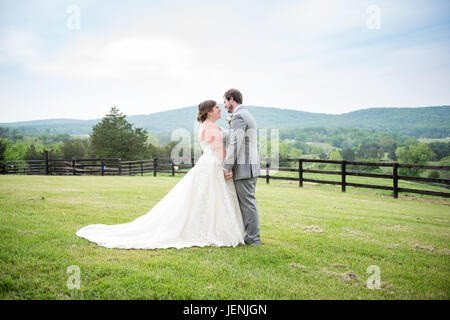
(103,166)
(114,166)
(344,172)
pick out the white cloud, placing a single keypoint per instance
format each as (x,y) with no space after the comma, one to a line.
(311,55)
(312,18)
(137,56)
(18,46)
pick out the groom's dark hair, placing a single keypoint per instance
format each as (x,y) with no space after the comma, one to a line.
(235,93)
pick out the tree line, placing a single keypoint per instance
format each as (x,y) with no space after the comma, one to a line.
(112,137)
(115,137)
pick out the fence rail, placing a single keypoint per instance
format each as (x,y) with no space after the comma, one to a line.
(344,172)
(115,166)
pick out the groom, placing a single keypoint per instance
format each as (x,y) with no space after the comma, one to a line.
(242,162)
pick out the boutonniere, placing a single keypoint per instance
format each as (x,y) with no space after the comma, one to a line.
(229,119)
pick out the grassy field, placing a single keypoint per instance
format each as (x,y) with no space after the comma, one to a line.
(317,243)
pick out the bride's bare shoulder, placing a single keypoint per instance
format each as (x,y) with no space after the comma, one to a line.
(210,126)
(209,130)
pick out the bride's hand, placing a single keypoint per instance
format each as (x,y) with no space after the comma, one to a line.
(227,174)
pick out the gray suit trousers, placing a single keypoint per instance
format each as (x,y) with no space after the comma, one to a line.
(245,189)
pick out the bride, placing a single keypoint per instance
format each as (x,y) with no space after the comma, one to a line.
(202,209)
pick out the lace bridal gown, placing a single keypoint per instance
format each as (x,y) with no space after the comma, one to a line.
(202,209)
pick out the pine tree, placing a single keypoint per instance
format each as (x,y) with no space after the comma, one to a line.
(114,137)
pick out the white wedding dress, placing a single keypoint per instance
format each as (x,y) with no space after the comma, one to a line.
(202,209)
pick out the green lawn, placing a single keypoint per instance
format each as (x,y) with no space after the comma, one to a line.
(407,238)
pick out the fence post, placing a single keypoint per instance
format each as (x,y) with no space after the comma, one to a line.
(73,166)
(267,170)
(173,168)
(300,173)
(343,175)
(395,179)
(142,172)
(154,166)
(129,168)
(46,162)
(120,166)
(101,164)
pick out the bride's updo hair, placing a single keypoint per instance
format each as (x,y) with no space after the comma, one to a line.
(203,109)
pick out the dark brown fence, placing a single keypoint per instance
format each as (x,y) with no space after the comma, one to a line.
(104,166)
(344,172)
(154,166)
(114,166)
(62,167)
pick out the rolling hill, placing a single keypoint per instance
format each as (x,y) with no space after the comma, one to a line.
(427,122)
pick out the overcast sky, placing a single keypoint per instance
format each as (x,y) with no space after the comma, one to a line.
(76,59)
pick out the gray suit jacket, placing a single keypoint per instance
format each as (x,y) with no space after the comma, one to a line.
(242,150)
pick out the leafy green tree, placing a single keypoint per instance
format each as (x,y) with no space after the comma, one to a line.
(334,155)
(413,154)
(337,141)
(152,139)
(295,153)
(49,139)
(389,145)
(167,149)
(161,151)
(114,137)
(74,149)
(304,147)
(317,150)
(4,132)
(15,151)
(3,146)
(164,139)
(445,161)
(283,149)
(15,135)
(33,153)
(371,150)
(411,142)
(323,156)
(300,136)
(348,154)
(440,149)
(54,151)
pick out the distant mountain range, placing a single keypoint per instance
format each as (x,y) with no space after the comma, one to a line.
(419,122)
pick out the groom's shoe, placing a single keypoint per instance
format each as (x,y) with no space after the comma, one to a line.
(255,244)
